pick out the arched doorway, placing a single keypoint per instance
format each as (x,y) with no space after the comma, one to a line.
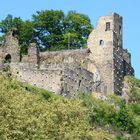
(7,58)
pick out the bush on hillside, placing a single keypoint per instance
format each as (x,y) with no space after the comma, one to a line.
(24,115)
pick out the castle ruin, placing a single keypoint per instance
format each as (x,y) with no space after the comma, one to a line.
(100,67)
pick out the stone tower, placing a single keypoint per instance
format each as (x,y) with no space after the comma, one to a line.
(11,49)
(105,43)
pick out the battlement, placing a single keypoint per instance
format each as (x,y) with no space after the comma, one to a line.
(99,68)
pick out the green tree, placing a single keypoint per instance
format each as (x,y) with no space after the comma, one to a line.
(26,35)
(54,30)
(6,24)
(48,27)
(78,26)
(9,22)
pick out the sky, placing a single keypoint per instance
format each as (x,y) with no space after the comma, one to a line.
(128,9)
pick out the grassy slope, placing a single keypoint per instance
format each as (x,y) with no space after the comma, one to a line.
(29,112)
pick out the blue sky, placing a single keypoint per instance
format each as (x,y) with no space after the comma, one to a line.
(129,9)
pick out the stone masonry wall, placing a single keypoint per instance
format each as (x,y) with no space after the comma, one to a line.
(127,56)
(48,79)
(121,57)
(33,54)
(64,81)
(79,80)
(70,57)
(118,71)
(103,60)
(121,69)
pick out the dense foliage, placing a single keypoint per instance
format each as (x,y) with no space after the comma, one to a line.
(27,112)
(50,29)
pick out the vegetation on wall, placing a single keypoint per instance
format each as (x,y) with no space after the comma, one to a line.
(50,29)
(27,112)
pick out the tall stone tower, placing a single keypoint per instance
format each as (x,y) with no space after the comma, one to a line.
(105,43)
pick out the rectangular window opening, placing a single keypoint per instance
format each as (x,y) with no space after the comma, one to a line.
(107,26)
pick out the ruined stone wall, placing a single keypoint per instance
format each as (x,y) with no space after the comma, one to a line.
(79,80)
(127,56)
(66,81)
(47,79)
(117,31)
(118,55)
(24,59)
(128,70)
(103,59)
(11,47)
(122,58)
(33,54)
(48,59)
(63,72)
(118,70)
(121,69)
(70,57)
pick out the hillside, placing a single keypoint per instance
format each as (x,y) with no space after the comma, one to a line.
(27,112)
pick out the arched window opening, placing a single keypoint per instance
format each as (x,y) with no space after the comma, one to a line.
(7,58)
(101,43)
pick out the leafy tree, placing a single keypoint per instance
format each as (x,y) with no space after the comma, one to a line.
(26,36)
(48,27)
(9,22)
(54,30)
(6,24)
(79,27)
